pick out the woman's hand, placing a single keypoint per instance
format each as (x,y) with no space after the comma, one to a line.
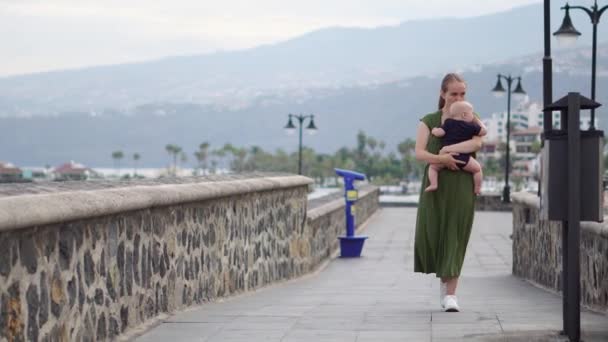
(446,149)
(449,161)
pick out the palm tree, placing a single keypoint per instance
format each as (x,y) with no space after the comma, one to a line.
(406,149)
(239,155)
(183,157)
(360,152)
(228,151)
(372,143)
(218,154)
(136,157)
(173,151)
(117,156)
(202,155)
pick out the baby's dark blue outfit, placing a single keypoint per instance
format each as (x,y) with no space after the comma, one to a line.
(457,131)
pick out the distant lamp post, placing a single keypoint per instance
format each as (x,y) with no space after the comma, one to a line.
(567,35)
(498,91)
(290,129)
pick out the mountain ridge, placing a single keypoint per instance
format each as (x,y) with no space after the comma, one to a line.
(325,58)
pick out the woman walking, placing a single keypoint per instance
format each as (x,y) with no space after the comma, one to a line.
(445,216)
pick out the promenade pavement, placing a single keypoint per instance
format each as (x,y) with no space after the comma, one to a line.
(379,298)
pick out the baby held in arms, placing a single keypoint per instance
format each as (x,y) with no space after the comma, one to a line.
(461,125)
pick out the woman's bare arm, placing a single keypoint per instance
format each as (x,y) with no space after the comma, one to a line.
(469,146)
(422,138)
(484,130)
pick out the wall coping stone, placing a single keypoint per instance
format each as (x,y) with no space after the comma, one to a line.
(336,204)
(23,211)
(526,198)
(531,200)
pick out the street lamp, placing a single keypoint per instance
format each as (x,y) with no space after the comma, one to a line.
(290,129)
(498,91)
(567,34)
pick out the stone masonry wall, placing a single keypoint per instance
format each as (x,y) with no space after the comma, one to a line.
(537,252)
(92,277)
(491,203)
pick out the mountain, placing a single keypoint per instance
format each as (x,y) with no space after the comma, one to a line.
(387,111)
(379,81)
(328,58)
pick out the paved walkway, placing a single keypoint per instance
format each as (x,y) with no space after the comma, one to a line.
(378,298)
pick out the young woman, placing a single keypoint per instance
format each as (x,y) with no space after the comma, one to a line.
(445,216)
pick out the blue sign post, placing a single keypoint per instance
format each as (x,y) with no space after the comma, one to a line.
(350,245)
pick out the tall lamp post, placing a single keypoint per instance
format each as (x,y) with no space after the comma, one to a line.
(547,72)
(290,129)
(567,35)
(498,92)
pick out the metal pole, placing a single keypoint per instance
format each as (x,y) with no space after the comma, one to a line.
(573,239)
(506,197)
(565,277)
(350,222)
(565,251)
(593,58)
(547,80)
(547,71)
(301,120)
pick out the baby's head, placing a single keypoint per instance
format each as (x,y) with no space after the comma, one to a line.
(462,110)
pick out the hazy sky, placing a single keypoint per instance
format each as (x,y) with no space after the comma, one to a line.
(39,35)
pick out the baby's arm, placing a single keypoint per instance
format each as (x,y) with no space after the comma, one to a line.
(438,132)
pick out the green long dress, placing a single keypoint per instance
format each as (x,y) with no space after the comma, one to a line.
(445,216)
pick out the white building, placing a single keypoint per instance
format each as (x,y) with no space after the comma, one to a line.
(525,115)
(526,142)
(526,128)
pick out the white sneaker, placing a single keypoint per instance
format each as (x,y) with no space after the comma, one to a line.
(443,291)
(450,304)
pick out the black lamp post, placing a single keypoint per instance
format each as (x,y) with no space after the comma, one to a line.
(568,34)
(290,129)
(547,73)
(499,91)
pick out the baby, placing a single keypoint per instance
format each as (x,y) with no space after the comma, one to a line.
(461,125)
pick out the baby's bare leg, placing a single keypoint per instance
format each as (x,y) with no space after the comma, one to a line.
(433,177)
(474,168)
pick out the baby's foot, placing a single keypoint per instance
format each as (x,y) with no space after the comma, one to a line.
(430,188)
(477,191)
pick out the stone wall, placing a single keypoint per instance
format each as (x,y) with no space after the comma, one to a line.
(537,253)
(88,265)
(489,202)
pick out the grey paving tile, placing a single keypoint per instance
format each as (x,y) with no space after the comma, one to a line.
(399,311)
(462,317)
(393,336)
(281,310)
(465,330)
(197,316)
(299,335)
(403,326)
(337,311)
(329,323)
(247,336)
(180,332)
(408,318)
(254,323)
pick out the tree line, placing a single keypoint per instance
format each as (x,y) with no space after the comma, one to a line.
(369,156)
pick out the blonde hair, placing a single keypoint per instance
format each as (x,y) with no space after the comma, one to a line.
(460,106)
(447,79)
